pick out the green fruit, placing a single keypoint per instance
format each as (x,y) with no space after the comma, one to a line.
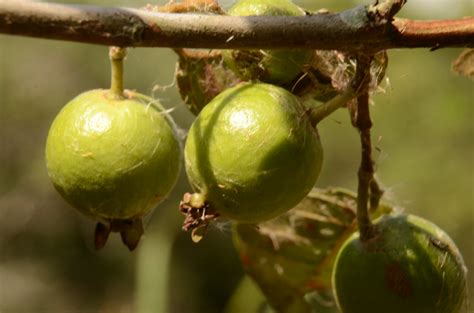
(277,66)
(253,153)
(112,158)
(410,266)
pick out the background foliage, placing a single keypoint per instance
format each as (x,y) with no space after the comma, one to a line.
(422,130)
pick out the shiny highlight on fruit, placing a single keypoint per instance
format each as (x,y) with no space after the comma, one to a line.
(113,158)
(252,154)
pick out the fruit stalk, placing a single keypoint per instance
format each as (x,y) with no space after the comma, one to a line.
(318,113)
(117,54)
(363,123)
(376,193)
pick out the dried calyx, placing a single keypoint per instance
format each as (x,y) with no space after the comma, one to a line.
(198,213)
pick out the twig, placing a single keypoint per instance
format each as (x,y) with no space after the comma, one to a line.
(376,193)
(355,29)
(366,170)
(435,33)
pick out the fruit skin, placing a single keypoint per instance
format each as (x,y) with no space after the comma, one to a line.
(277,66)
(252,152)
(411,266)
(112,158)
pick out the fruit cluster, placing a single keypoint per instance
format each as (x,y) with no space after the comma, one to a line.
(252,154)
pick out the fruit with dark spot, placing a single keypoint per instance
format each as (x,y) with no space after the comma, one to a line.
(410,266)
(252,153)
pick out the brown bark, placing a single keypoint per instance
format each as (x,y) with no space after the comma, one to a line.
(357,29)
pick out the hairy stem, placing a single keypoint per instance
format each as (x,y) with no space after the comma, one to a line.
(117,55)
(366,169)
(368,29)
(376,193)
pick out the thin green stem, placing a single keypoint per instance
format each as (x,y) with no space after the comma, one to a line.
(117,54)
(320,112)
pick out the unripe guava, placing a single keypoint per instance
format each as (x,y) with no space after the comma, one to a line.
(277,66)
(110,158)
(252,152)
(410,266)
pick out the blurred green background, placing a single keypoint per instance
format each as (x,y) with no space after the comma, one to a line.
(423,129)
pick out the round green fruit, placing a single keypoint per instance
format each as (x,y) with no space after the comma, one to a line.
(252,152)
(113,158)
(277,66)
(410,266)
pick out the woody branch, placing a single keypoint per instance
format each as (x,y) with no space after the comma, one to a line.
(363,28)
